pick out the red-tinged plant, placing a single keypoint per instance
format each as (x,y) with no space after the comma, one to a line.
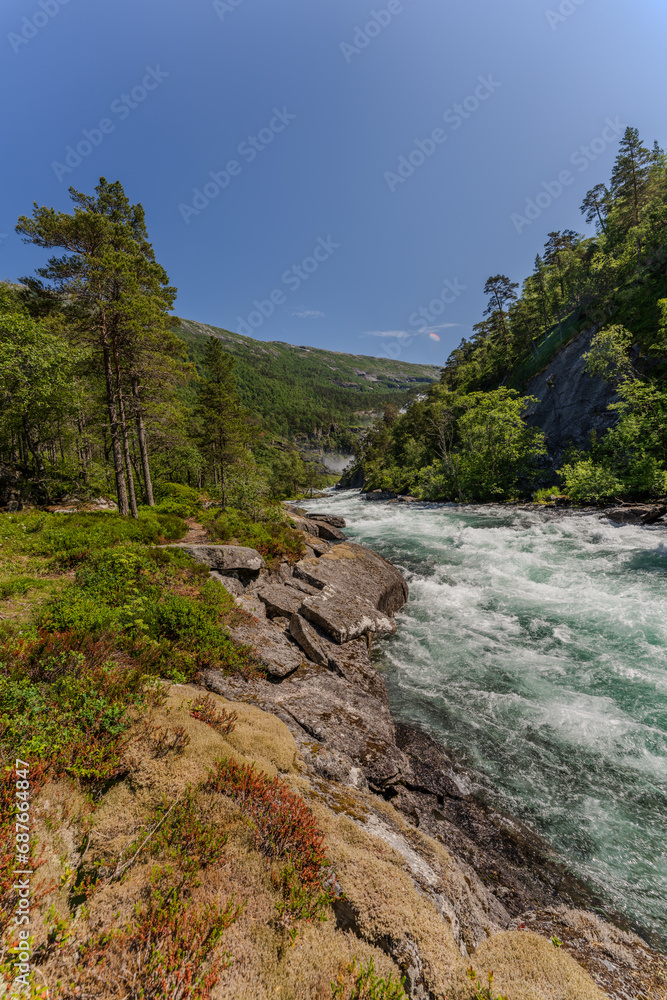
(163,953)
(284,828)
(204,709)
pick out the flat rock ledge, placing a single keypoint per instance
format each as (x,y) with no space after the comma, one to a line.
(312,627)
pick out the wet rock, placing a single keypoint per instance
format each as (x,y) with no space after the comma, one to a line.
(636,514)
(355,570)
(280,602)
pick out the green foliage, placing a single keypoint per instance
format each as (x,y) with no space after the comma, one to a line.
(360,982)
(608,355)
(483,992)
(275,540)
(455,446)
(587,481)
(129,591)
(67,702)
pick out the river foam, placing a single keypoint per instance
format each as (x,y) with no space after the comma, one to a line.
(534,645)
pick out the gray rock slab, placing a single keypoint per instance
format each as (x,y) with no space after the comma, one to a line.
(332,519)
(345,616)
(280,601)
(308,639)
(224,558)
(276,651)
(355,570)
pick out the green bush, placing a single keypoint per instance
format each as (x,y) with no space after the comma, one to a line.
(589,482)
(275,540)
(362,983)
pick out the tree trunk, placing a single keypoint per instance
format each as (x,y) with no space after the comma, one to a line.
(141,435)
(34,448)
(121,488)
(123,428)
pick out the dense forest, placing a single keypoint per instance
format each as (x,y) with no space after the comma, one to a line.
(104,392)
(468,439)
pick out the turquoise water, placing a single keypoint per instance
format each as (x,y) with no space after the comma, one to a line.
(535,647)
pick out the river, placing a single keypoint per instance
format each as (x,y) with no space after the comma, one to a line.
(534,646)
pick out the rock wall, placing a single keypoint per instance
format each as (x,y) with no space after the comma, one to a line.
(571,403)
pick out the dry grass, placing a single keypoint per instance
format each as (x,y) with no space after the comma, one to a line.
(390,896)
(527,966)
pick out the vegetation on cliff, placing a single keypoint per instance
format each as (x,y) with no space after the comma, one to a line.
(468,440)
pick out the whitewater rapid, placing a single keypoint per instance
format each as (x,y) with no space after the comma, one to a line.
(534,645)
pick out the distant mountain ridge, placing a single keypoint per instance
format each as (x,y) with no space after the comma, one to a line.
(302,391)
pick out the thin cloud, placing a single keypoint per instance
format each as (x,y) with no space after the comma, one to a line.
(405,334)
(309,314)
(398,334)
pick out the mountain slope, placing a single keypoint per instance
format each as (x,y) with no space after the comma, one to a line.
(310,392)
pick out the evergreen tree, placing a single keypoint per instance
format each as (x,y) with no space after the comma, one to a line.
(595,206)
(112,290)
(630,174)
(222,431)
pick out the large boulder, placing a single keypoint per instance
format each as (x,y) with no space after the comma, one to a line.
(236,560)
(331,519)
(357,571)
(345,616)
(280,602)
(279,654)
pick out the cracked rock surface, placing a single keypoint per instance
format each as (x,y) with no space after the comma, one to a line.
(312,629)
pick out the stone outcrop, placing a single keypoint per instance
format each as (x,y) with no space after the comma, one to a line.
(311,630)
(355,570)
(571,403)
(228,560)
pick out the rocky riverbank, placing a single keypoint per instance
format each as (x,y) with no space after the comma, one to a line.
(473,880)
(621,513)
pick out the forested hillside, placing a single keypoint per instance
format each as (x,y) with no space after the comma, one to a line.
(469,439)
(104,392)
(309,393)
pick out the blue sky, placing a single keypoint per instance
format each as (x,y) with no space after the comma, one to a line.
(306,172)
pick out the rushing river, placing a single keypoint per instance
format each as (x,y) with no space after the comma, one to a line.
(534,645)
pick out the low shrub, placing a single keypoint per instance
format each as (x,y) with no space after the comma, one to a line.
(360,982)
(204,709)
(589,482)
(283,828)
(275,540)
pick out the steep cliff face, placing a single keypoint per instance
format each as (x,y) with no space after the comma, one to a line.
(571,403)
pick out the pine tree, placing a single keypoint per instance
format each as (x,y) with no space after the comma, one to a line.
(501,290)
(596,206)
(112,290)
(222,431)
(630,175)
